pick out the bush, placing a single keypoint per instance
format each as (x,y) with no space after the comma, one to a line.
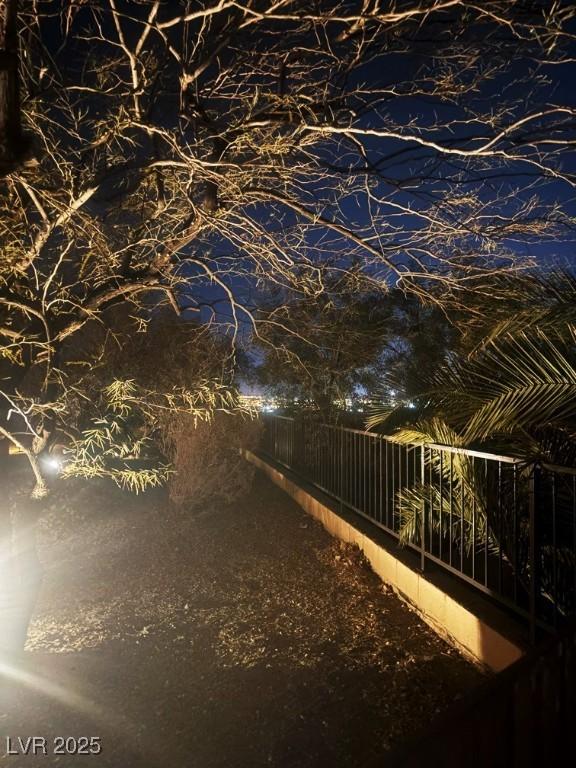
(206,457)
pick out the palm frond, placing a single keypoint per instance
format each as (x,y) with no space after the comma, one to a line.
(435,430)
(455,496)
(534,301)
(516,383)
(458,516)
(379,416)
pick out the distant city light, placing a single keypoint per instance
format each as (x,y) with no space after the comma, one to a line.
(353,404)
(263,403)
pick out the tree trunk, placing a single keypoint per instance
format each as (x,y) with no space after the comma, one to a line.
(14,147)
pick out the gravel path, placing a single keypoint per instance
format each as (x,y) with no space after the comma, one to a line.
(239,636)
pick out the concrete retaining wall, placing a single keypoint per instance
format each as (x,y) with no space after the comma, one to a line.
(468,622)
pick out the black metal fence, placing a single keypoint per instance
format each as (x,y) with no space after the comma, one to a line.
(507,528)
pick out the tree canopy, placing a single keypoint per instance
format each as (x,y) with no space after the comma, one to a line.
(199,154)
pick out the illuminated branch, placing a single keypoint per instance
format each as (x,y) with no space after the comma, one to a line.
(240,152)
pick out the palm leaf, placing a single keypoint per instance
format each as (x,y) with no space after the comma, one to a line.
(456,491)
(533,301)
(517,383)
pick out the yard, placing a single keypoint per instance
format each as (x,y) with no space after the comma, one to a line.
(239,635)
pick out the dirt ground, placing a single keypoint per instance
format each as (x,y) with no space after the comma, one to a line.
(238,636)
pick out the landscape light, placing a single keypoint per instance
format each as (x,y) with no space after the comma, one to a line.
(52,463)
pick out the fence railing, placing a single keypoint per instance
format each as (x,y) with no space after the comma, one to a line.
(507,528)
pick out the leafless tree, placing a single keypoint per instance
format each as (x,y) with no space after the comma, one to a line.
(196,153)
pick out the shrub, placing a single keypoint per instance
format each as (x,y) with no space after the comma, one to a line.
(206,456)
